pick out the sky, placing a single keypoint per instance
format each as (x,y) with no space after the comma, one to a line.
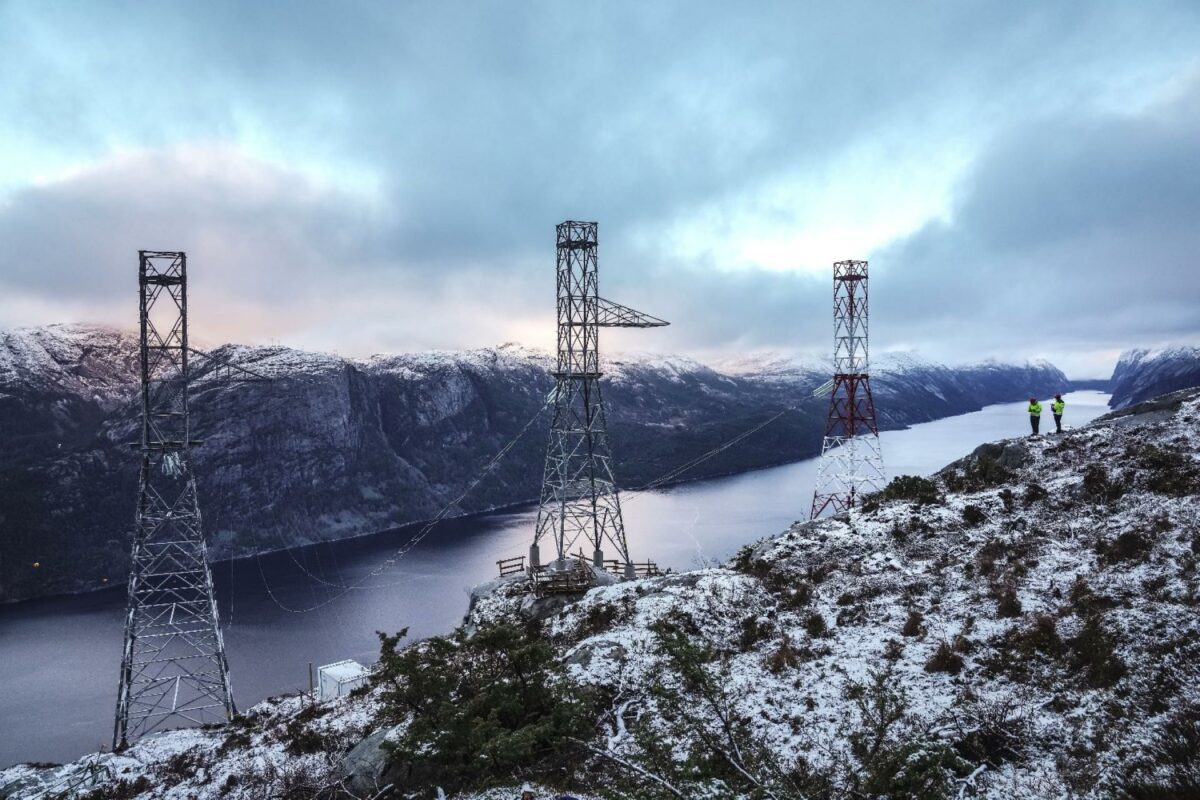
(362,177)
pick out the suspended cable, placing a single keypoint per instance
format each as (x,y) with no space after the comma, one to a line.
(404,549)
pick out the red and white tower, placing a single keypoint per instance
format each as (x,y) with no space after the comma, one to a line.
(851,461)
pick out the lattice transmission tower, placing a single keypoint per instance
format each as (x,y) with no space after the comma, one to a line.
(173,667)
(579,501)
(851,461)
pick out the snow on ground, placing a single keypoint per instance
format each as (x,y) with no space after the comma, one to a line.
(1023,626)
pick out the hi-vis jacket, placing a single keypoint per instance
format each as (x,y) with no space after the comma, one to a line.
(1057,407)
(1035,409)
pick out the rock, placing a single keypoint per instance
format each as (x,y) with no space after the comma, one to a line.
(586,652)
(1010,454)
(366,767)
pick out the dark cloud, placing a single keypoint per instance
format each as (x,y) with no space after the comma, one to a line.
(1069,231)
(389,175)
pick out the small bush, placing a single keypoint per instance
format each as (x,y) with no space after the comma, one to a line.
(1098,486)
(754,630)
(600,618)
(911,488)
(1086,602)
(1130,545)
(816,625)
(1094,651)
(973,515)
(995,733)
(784,657)
(792,594)
(1009,605)
(1034,493)
(944,659)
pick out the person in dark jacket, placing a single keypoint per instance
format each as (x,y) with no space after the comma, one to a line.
(1056,408)
(1035,415)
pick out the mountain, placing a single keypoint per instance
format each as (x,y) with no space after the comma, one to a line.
(1142,374)
(334,447)
(1021,625)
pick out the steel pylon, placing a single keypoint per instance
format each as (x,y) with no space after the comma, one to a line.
(579,500)
(851,460)
(173,667)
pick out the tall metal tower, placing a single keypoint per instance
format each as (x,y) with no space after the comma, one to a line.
(851,461)
(579,501)
(173,668)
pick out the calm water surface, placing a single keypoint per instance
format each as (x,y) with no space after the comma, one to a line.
(59,656)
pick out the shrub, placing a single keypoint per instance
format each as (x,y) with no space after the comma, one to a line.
(1094,651)
(1009,605)
(1130,545)
(1086,602)
(483,708)
(973,515)
(944,659)
(600,617)
(1098,486)
(1034,493)
(784,657)
(753,631)
(816,625)
(911,488)
(994,733)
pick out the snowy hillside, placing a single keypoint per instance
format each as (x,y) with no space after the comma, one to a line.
(1023,626)
(1142,374)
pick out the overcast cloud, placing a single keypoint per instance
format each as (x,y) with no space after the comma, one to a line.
(361,177)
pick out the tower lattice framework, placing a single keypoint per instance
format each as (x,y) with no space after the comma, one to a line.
(173,667)
(579,499)
(851,461)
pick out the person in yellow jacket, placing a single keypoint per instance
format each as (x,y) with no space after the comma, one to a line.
(1056,408)
(1035,415)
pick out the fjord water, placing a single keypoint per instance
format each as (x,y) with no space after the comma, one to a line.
(60,655)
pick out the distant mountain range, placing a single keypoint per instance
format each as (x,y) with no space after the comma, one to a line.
(335,447)
(1143,374)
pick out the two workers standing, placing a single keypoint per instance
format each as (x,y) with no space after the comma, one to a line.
(1035,413)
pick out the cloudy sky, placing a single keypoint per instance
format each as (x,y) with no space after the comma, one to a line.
(363,177)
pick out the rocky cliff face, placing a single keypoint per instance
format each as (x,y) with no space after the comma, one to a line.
(1022,625)
(335,447)
(1142,374)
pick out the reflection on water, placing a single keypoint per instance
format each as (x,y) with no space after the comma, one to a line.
(60,656)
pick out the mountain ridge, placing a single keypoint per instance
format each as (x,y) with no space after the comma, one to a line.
(335,447)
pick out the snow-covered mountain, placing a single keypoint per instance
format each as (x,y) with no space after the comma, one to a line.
(1142,374)
(1021,626)
(335,447)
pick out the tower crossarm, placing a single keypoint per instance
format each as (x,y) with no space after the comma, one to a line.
(220,371)
(615,315)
